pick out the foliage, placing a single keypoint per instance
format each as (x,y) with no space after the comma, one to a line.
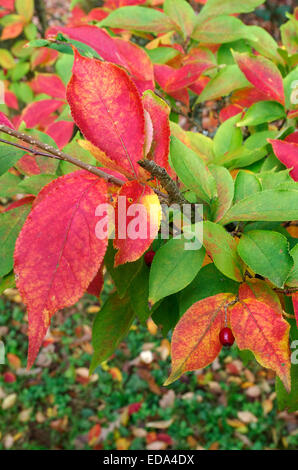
(115,93)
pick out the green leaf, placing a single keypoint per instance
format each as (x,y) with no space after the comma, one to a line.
(34,184)
(7,282)
(273,179)
(74,149)
(139,293)
(225,191)
(267,254)
(228,137)
(166,314)
(192,170)
(9,156)
(11,223)
(9,185)
(110,325)
(137,18)
(182,14)
(173,268)
(161,55)
(227,80)
(124,274)
(272,205)
(219,29)
(292,279)
(21,69)
(64,67)
(227,7)
(291,93)
(222,247)
(262,111)
(208,282)
(263,42)
(288,401)
(246,183)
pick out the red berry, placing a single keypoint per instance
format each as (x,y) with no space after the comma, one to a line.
(9,377)
(149,257)
(226,337)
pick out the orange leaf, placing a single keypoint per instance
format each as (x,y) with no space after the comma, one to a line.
(258,289)
(135,232)
(195,341)
(107,108)
(57,253)
(257,327)
(12,30)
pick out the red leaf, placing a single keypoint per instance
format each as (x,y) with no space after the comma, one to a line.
(130,246)
(295,305)
(263,74)
(108,110)
(43,57)
(49,84)
(159,112)
(247,96)
(172,80)
(95,286)
(5,121)
(287,153)
(61,132)
(116,50)
(35,112)
(20,202)
(292,137)
(57,253)
(229,111)
(195,341)
(257,327)
(11,100)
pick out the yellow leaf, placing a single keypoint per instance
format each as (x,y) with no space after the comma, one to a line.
(25,8)
(6,59)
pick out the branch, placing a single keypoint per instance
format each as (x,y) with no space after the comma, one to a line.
(53,152)
(41,15)
(165,180)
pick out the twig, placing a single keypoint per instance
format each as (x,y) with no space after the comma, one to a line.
(33,151)
(42,15)
(60,155)
(286,290)
(165,180)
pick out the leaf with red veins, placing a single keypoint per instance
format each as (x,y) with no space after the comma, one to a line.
(49,84)
(263,74)
(257,327)
(287,153)
(107,108)
(159,112)
(36,112)
(137,221)
(195,340)
(57,253)
(260,290)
